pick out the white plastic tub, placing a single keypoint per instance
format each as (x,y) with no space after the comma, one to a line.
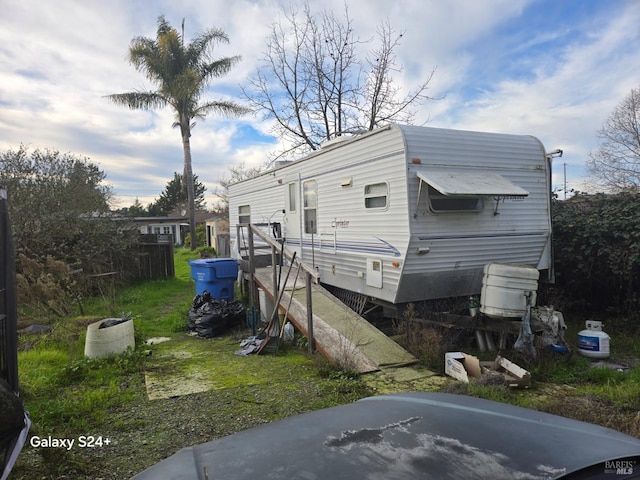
(504,287)
(266,305)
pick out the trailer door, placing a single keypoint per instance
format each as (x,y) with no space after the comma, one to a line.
(293,213)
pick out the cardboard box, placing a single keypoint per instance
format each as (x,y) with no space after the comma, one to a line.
(514,375)
(461,366)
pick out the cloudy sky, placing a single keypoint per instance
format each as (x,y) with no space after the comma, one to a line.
(548,68)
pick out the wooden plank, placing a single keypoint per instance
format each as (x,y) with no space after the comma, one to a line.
(328,341)
(515,370)
(340,334)
(465,322)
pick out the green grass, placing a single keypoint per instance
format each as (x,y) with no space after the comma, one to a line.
(66,391)
(620,388)
(157,307)
(41,371)
(68,394)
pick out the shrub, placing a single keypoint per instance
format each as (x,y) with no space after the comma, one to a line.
(428,344)
(62,228)
(201,236)
(597,252)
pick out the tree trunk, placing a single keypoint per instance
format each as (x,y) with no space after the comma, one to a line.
(188,178)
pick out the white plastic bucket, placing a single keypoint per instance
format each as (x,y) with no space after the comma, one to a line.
(105,341)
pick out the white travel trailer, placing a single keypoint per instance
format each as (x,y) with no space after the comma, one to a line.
(404,213)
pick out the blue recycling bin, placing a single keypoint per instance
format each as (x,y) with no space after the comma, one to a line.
(215,275)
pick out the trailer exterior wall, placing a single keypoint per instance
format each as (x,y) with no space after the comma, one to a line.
(459,244)
(350,237)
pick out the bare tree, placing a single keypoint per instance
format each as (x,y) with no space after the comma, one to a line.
(382,99)
(313,84)
(237,173)
(616,163)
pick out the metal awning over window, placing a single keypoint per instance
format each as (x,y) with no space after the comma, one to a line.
(465,183)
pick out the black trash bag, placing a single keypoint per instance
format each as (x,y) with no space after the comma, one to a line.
(113,321)
(210,317)
(191,320)
(195,312)
(200,300)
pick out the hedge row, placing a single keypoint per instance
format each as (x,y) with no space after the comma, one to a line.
(597,252)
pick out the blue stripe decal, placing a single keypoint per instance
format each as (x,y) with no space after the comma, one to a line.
(482,235)
(381,247)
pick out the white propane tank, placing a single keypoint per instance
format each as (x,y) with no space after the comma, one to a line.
(503,289)
(593,342)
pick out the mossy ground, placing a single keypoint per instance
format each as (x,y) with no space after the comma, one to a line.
(186,364)
(69,396)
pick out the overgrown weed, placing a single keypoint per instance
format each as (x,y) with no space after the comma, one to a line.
(427,343)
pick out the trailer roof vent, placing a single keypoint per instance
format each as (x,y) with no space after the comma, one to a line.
(335,141)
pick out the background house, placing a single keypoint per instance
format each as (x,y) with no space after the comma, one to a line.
(164,226)
(217,235)
(176,223)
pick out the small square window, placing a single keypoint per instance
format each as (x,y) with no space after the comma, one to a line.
(244,214)
(375,195)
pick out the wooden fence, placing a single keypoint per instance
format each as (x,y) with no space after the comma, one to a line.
(155,257)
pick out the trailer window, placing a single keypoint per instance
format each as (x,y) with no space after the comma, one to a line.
(292,197)
(443,203)
(310,197)
(375,195)
(244,214)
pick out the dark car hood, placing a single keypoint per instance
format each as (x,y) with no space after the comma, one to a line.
(406,436)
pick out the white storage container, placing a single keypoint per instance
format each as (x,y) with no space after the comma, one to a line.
(504,288)
(266,305)
(105,341)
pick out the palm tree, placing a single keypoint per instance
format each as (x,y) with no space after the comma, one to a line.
(181,74)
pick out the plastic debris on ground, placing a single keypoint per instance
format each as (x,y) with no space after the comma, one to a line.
(249,346)
(289,332)
(550,328)
(524,342)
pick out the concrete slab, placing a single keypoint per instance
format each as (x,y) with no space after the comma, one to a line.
(167,374)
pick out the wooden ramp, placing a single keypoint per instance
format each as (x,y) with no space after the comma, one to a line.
(340,334)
